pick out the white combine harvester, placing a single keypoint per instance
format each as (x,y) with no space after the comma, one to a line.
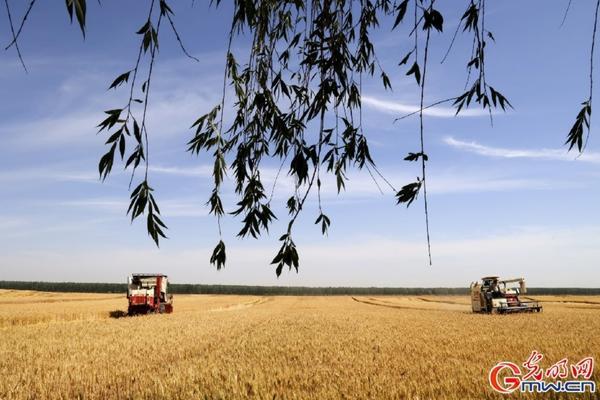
(493,295)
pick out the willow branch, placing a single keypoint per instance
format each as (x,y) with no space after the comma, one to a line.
(421,126)
(14,35)
(587,137)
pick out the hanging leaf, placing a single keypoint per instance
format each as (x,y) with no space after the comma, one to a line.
(582,121)
(325,222)
(408,193)
(416,71)
(287,255)
(77,7)
(386,81)
(219,256)
(415,156)
(433,18)
(405,59)
(123,78)
(400,13)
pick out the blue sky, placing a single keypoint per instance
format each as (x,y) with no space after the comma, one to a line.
(505,200)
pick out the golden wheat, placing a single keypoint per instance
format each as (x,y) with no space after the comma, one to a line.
(65,346)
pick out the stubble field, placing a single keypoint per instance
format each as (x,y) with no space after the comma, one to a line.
(66,346)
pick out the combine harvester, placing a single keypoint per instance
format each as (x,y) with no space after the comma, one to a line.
(147,293)
(492,296)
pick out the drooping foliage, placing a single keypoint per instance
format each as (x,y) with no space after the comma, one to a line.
(296,100)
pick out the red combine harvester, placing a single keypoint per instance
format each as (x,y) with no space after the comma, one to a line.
(147,293)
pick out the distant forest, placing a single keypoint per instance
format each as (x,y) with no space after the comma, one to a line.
(178,288)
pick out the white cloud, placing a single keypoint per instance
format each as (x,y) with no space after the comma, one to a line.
(51,131)
(9,222)
(75,173)
(184,208)
(539,154)
(101,204)
(445,183)
(36,227)
(360,184)
(49,173)
(71,118)
(169,114)
(402,108)
(203,171)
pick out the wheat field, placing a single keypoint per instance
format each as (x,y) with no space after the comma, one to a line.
(68,346)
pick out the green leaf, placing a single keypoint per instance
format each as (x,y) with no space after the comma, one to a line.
(154,225)
(122,146)
(70,9)
(405,59)
(340,179)
(416,71)
(386,81)
(144,28)
(292,205)
(400,13)
(415,156)
(433,18)
(164,8)
(123,78)
(287,255)
(216,205)
(147,41)
(142,201)
(219,256)
(80,10)
(106,162)
(77,7)
(155,37)
(408,193)
(325,222)
(576,134)
(137,132)
(112,119)
(470,17)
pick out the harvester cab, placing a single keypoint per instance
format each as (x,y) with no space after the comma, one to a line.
(495,295)
(148,293)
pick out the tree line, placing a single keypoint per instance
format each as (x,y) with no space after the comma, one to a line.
(179,288)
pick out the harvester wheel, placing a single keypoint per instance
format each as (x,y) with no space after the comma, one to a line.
(161,309)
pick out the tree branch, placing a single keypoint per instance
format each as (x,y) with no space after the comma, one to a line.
(14,36)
